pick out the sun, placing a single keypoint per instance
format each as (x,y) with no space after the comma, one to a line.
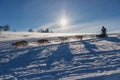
(63,22)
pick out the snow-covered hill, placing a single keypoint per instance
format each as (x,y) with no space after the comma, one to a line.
(90,59)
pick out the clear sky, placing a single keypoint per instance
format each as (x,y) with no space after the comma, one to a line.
(80,15)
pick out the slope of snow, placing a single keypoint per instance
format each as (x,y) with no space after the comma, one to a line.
(92,59)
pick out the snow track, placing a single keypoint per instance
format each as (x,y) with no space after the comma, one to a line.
(92,59)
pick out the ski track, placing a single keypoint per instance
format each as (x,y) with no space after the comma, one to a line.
(82,60)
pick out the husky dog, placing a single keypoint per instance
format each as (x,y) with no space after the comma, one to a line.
(63,38)
(79,37)
(43,41)
(20,44)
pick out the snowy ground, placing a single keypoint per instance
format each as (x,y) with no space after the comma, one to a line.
(90,59)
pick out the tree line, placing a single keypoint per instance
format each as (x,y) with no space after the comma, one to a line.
(7,28)
(41,30)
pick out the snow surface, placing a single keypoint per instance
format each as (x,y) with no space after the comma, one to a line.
(90,59)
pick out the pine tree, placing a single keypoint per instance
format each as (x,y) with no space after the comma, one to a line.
(30,30)
(6,28)
(1,28)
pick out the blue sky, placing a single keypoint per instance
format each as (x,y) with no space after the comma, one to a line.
(82,15)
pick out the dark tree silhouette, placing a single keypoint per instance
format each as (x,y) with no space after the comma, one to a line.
(30,30)
(1,28)
(47,30)
(6,28)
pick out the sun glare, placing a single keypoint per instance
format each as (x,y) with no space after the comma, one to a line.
(63,22)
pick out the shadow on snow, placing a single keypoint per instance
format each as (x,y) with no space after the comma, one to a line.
(20,61)
(63,52)
(89,47)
